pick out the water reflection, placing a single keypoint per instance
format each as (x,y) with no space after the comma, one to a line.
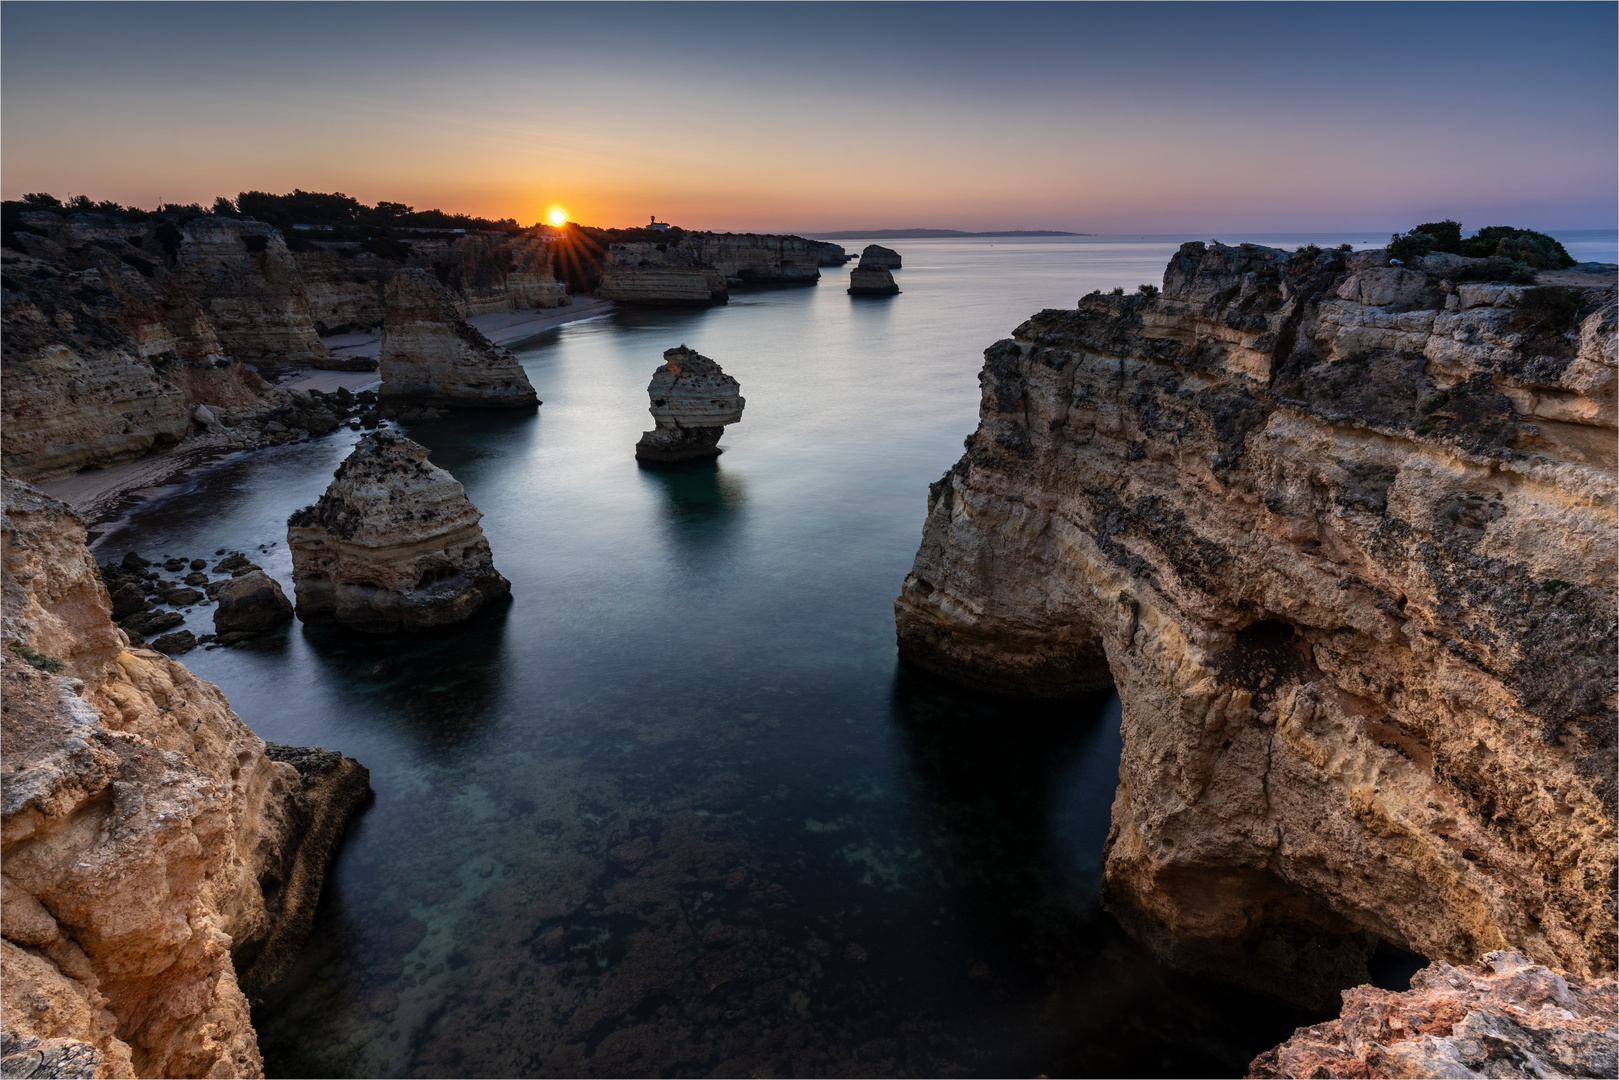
(698,499)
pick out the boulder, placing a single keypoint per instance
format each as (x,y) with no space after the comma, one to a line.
(692,401)
(394,544)
(252,602)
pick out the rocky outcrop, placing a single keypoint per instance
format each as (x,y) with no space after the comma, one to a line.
(664,274)
(347,287)
(252,603)
(692,401)
(394,544)
(1506,1016)
(875,256)
(430,354)
(756,258)
(871,281)
(248,284)
(1342,536)
(828,254)
(106,355)
(145,834)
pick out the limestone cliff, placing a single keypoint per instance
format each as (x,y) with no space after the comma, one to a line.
(1505,1016)
(248,284)
(394,544)
(660,274)
(151,848)
(431,354)
(692,401)
(757,259)
(829,254)
(1342,534)
(106,355)
(871,281)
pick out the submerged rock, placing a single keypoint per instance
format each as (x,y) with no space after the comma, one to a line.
(394,544)
(871,281)
(1506,1016)
(877,257)
(253,603)
(430,354)
(692,401)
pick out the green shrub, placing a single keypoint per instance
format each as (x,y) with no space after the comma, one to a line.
(42,661)
(1146,290)
(1446,235)
(1118,291)
(1413,245)
(1521,245)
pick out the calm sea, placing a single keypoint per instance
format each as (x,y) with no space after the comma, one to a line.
(678,810)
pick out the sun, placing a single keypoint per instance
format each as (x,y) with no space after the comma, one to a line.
(557,215)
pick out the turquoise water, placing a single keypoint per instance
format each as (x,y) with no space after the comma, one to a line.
(677,809)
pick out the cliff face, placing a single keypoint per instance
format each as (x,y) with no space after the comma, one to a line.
(394,544)
(1342,536)
(828,254)
(430,353)
(147,837)
(106,355)
(660,274)
(248,284)
(871,281)
(757,259)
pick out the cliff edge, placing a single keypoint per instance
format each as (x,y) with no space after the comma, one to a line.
(1342,534)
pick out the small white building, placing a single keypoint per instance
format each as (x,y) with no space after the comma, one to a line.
(658,226)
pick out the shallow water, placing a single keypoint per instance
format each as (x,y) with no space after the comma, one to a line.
(677,809)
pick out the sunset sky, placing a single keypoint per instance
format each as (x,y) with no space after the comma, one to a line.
(786,117)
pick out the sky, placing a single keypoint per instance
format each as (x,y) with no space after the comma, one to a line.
(1093,117)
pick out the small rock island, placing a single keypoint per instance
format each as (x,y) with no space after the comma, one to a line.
(879,257)
(871,276)
(394,544)
(692,401)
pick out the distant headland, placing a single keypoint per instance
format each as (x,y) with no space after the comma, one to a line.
(928,234)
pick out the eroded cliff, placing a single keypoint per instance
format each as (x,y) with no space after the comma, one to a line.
(664,274)
(1342,535)
(152,850)
(431,354)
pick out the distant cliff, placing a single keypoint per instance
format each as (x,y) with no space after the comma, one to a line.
(1342,535)
(660,274)
(114,332)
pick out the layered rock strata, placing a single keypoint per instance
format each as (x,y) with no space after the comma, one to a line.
(1505,1016)
(106,356)
(248,283)
(875,256)
(394,544)
(871,281)
(146,835)
(1342,535)
(431,354)
(667,275)
(692,401)
(757,259)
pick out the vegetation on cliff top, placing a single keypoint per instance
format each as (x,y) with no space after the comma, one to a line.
(1532,249)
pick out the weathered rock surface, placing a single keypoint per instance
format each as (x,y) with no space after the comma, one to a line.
(1506,1016)
(253,603)
(757,258)
(431,354)
(248,284)
(667,275)
(692,401)
(106,355)
(394,544)
(829,254)
(871,281)
(144,832)
(1357,602)
(875,256)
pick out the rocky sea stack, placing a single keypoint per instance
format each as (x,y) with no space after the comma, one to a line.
(877,257)
(431,355)
(871,281)
(692,401)
(394,544)
(1341,534)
